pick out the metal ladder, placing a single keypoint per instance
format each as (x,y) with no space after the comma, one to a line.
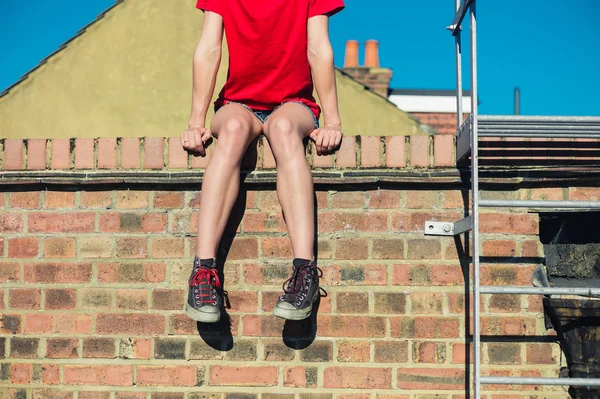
(467,144)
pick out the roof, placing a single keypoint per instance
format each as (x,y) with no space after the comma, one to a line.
(426,92)
(60,48)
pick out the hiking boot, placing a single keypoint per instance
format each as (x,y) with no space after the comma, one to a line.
(299,292)
(204,301)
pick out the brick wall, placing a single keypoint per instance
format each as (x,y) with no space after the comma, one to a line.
(95,259)
(444,123)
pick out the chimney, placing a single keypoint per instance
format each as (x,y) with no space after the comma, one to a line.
(371,74)
(351,59)
(372,54)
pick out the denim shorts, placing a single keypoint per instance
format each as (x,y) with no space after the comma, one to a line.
(264,115)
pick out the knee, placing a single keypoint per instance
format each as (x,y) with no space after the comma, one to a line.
(233,135)
(284,139)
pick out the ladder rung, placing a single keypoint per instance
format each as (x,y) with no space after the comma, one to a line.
(540,204)
(540,290)
(541,381)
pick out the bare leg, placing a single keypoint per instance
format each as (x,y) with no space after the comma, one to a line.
(235,127)
(285,129)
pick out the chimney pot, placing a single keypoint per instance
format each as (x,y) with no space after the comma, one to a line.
(372,54)
(351,58)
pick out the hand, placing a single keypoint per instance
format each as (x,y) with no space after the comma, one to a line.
(327,139)
(195,138)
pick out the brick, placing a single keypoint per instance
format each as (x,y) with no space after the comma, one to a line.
(358,377)
(25,199)
(427,302)
(352,302)
(277,351)
(505,303)
(243,249)
(36,154)
(98,375)
(530,248)
(111,222)
(60,299)
(20,373)
(431,378)
(132,248)
(346,155)
(62,348)
(107,153)
(436,327)
(130,153)
(132,199)
(84,153)
(167,395)
(262,222)
(79,222)
(96,199)
(547,194)
(355,274)
(243,301)
(499,248)
(370,151)
(424,248)
(166,375)
(38,323)
(130,324)
(168,199)
(540,354)
(395,151)
(95,247)
(154,153)
(9,272)
(318,351)
(11,223)
(93,395)
(133,395)
(429,352)
(294,377)
(351,248)
(200,350)
(10,324)
(72,324)
(131,272)
(348,200)
(59,247)
(388,302)
(59,199)
(26,247)
(391,351)
(384,199)
(98,348)
(443,150)
(321,161)
(139,348)
(447,275)
(422,199)
(169,349)
(266,326)
(132,299)
(44,393)
(504,353)
(582,194)
(51,374)
(243,376)
(351,326)
(199,161)
(24,348)
(24,298)
(353,351)
(419,151)
(61,154)
(13,154)
(509,223)
(388,249)
(167,299)
(167,247)
(275,247)
(178,157)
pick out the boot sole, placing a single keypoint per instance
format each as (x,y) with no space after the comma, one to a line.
(202,317)
(295,314)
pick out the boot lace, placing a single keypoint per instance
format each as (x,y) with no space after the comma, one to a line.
(205,280)
(295,288)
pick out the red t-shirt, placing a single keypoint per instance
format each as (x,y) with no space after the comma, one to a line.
(267,40)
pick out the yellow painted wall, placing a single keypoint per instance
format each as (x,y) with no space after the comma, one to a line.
(130,75)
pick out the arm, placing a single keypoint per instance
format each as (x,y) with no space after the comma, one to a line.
(207,58)
(320,57)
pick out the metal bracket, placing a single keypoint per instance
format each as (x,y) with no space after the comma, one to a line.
(463,140)
(448,228)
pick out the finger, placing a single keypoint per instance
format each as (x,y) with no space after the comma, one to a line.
(182,139)
(186,140)
(206,135)
(338,140)
(319,142)
(331,143)
(314,134)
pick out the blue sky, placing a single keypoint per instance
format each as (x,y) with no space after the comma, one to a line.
(548,48)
